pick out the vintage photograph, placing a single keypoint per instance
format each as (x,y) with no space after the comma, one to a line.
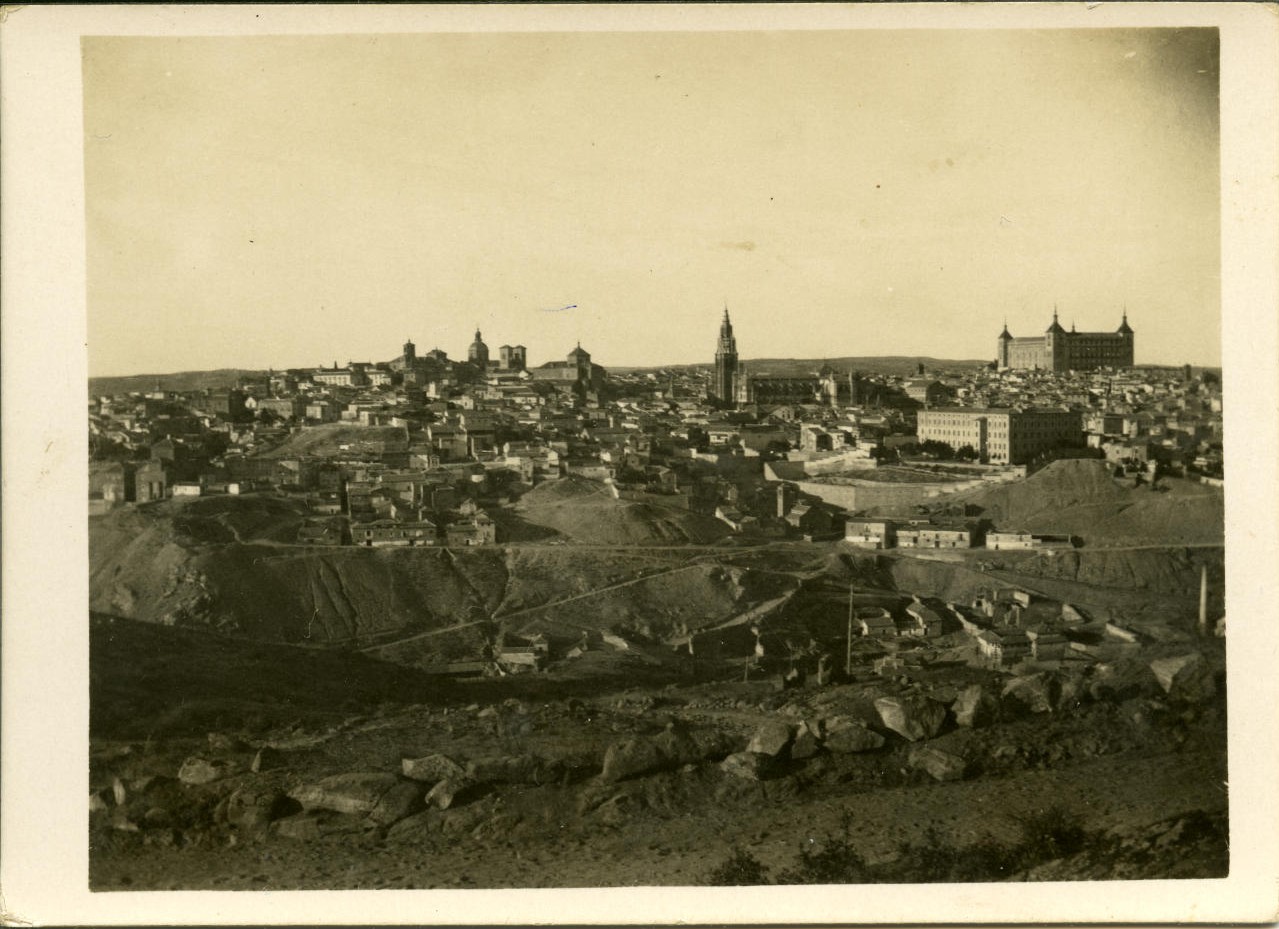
(617,459)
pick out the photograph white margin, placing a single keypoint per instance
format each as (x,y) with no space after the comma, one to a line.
(43,764)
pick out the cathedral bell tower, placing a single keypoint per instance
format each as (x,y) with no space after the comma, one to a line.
(724,388)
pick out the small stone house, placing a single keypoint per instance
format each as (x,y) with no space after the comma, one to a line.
(387,532)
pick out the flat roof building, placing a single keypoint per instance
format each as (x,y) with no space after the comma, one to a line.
(1001,436)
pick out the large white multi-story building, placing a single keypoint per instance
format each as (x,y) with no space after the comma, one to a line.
(1001,436)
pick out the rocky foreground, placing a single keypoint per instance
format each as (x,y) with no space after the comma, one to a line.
(1116,770)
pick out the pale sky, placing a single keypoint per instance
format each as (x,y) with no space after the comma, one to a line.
(290,201)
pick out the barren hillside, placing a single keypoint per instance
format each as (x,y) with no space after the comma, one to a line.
(1083,498)
(586,511)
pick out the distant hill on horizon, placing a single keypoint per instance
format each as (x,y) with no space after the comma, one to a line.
(180,381)
(867,364)
(777,367)
(781,367)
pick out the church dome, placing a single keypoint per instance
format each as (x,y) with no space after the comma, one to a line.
(478,351)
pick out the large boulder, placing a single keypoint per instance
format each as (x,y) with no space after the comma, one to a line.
(431,769)
(808,741)
(1186,677)
(672,749)
(345,793)
(520,769)
(770,739)
(748,765)
(941,765)
(633,758)
(1120,680)
(845,736)
(444,794)
(1072,691)
(1032,693)
(253,807)
(974,707)
(403,799)
(913,718)
(197,770)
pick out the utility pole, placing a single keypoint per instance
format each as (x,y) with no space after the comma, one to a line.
(1203,600)
(848,648)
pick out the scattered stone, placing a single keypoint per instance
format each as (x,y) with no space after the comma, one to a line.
(97,803)
(781,789)
(942,765)
(414,825)
(1071,691)
(1033,693)
(253,807)
(806,744)
(196,770)
(404,799)
(632,758)
(118,793)
(848,737)
(912,718)
(148,782)
(520,769)
(973,707)
(303,826)
(748,765)
(1185,677)
(1121,680)
(770,739)
(431,769)
(668,751)
(345,793)
(487,713)
(443,794)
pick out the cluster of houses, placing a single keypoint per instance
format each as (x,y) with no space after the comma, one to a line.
(880,533)
(1007,626)
(1136,416)
(436,446)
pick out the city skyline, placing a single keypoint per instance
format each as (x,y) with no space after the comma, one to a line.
(895,193)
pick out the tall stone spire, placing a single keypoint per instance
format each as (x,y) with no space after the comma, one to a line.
(724,388)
